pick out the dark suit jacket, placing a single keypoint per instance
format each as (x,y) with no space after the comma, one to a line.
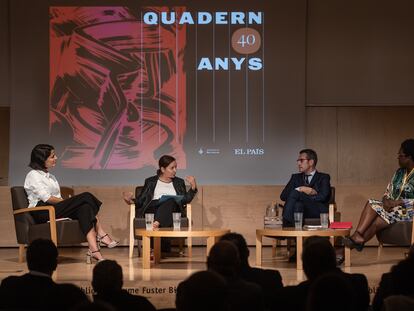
(293,298)
(270,282)
(123,300)
(26,292)
(321,182)
(143,199)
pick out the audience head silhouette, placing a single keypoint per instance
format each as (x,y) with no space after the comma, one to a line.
(239,241)
(328,292)
(42,256)
(318,257)
(107,277)
(224,259)
(202,291)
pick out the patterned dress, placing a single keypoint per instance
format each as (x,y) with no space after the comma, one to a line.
(400,187)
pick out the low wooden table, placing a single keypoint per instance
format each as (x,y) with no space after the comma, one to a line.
(212,236)
(299,235)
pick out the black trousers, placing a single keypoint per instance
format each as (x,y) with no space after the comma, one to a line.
(84,207)
(163,214)
(300,202)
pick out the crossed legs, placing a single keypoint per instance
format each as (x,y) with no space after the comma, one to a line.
(369,224)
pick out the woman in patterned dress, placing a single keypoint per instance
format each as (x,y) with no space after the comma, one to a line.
(396,204)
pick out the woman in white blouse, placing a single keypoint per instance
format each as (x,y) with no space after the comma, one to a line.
(42,188)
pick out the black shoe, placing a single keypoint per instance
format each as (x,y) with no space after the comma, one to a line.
(339,260)
(292,258)
(349,242)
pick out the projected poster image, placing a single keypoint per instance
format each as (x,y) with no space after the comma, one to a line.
(117,87)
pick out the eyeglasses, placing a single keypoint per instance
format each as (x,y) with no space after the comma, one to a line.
(301,160)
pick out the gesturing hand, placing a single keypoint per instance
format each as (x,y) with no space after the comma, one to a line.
(191,180)
(128,197)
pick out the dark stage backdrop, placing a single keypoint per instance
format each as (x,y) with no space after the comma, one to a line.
(113,85)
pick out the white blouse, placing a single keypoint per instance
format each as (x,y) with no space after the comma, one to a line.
(163,188)
(40,186)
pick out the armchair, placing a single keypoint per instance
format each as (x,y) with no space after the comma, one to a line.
(400,233)
(27,230)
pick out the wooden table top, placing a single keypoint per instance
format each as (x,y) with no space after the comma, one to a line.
(292,232)
(183,232)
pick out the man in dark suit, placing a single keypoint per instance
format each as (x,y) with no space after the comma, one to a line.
(308,191)
(32,290)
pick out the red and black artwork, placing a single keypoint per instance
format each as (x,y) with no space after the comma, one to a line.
(117,87)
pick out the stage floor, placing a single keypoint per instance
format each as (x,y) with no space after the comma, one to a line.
(159,283)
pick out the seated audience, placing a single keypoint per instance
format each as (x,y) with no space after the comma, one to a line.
(398,303)
(164,183)
(107,281)
(65,297)
(202,291)
(396,204)
(224,259)
(33,289)
(331,292)
(319,259)
(397,282)
(270,281)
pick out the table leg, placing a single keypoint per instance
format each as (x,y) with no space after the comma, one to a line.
(258,250)
(299,249)
(157,249)
(211,240)
(146,250)
(347,257)
(190,247)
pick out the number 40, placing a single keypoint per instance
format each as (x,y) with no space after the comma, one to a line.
(246,40)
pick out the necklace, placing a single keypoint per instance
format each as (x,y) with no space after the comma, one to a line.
(404,181)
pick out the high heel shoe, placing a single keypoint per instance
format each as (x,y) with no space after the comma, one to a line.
(100,241)
(90,255)
(349,242)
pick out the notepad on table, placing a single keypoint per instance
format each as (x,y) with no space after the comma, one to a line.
(177,198)
(341,225)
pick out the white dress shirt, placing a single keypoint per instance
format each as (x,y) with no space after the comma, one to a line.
(40,186)
(163,188)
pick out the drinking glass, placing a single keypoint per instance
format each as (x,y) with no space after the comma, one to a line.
(149,221)
(176,221)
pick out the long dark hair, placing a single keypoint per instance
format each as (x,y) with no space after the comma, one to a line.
(164,161)
(39,155)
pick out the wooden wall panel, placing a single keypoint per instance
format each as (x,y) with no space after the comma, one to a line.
(321,135)
(239,208)
(368,142)
(4,139)
(4,54)
(360,53)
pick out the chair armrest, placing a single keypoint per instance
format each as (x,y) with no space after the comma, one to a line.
(412,233)
(52,218)
(331,212)
(132,210)
(49,208)
(189,215)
